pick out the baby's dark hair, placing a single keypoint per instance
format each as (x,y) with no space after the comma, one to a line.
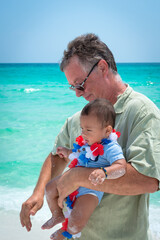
(102,109)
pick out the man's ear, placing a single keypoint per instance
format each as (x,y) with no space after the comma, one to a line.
(103,66)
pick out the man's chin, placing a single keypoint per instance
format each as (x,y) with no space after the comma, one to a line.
(89,98)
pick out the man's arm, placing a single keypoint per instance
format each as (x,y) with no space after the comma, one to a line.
(132,183)
(52,167)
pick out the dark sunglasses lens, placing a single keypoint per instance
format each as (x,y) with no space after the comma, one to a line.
(80,88)
(73,88)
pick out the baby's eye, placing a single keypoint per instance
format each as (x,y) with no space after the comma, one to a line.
(89,130)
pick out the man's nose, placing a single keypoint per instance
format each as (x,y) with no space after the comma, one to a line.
(79,93)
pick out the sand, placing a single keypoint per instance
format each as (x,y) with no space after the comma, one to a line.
(10,228)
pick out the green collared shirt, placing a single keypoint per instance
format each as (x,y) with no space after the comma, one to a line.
(124,217)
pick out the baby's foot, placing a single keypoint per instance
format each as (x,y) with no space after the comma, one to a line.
(57,235)
(53,221)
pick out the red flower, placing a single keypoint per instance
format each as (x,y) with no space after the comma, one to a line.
(80,141)
(97,149)
(65,224)
(73,163)
(118,133)
(73,203)
(73,195)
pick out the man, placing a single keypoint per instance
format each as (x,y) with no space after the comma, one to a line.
(91,71)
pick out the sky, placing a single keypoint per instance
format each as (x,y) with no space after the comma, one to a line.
(38,31)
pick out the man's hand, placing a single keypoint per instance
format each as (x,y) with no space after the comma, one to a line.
(67,184)
(30,207)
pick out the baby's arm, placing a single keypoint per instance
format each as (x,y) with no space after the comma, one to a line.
(116,170)
(64,152)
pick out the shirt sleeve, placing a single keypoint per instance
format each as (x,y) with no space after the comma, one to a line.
(68,133)
(62,138)
(113,152)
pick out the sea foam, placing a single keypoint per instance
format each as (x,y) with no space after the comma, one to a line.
(29,90)
(12,199)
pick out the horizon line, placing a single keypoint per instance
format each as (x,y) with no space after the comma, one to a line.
(59,63)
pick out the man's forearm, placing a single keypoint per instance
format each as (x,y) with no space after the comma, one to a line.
(132,183)
(52,167)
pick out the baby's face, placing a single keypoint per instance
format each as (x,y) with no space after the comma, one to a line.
(92,129)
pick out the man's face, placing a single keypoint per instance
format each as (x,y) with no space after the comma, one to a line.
(75,74)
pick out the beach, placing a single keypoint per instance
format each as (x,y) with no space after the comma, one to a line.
(34,103)
(11,227)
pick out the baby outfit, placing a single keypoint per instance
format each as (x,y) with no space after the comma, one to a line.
(86,158)
(94,156)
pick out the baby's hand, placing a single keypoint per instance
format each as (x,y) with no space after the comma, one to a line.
(97,177)
(62,152)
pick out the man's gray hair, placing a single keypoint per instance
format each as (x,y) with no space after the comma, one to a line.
(89,49)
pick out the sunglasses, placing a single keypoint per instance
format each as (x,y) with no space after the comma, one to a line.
(81,86)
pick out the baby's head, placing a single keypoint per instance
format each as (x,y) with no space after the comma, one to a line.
(97,120)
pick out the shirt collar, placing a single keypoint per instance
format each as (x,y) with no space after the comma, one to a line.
(121,99)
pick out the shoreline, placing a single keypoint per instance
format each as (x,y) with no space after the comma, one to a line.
(11,226)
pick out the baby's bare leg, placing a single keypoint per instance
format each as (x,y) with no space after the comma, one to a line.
(82,210)
(52,200)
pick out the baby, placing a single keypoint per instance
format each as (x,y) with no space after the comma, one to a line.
(97,148)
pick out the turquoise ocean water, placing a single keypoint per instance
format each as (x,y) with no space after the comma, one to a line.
(34,103)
